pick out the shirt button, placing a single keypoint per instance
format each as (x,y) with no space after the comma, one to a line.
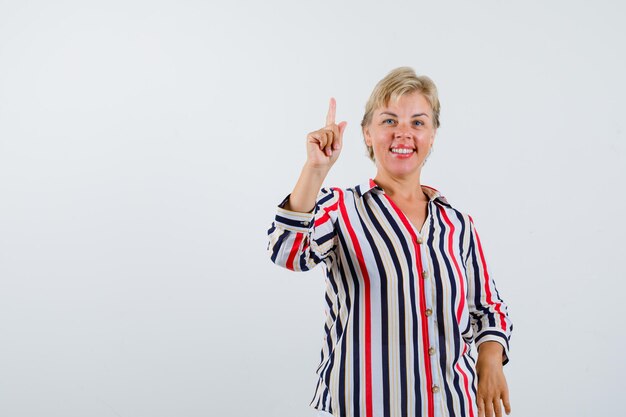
(431,351)
(305,223)
(435,389)
(424,274)
(428,312)
(419,240)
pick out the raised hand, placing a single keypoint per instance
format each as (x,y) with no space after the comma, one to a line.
(324,145)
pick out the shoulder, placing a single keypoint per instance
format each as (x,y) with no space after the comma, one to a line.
(445,207)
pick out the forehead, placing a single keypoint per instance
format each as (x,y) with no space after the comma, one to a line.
(413,103)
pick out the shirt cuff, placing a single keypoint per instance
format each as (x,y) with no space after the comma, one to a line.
(293,220)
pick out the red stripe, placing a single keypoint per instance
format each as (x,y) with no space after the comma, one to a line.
(466,386)
(466,381)
(325,217)
(462,296)
(498,306)
(422,301)
(294,249)
(368,307)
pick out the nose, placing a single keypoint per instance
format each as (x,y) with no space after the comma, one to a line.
(402,133)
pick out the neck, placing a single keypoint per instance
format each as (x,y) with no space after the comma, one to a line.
(405,188)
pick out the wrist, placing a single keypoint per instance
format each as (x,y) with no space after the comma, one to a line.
(315,171)
(302,198)
(490,352)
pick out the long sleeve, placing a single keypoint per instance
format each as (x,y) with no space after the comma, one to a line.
(489,313)
(300,241)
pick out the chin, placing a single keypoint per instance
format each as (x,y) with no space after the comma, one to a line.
(400,170)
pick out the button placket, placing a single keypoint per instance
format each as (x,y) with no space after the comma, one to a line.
(429,287)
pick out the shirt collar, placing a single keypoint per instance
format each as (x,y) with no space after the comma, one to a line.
(371,186)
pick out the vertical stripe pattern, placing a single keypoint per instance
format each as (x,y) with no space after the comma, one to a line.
(405,308)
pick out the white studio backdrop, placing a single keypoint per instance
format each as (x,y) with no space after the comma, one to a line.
(144,146)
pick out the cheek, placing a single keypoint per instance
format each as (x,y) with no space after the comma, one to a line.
(381,144)
(381,139)
(426,138)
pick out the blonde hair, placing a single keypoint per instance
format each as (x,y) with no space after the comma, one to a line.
(398,82)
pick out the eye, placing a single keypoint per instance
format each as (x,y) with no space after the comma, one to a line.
(388,121)
(418,123)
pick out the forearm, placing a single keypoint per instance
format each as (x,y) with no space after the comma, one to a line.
(304,194)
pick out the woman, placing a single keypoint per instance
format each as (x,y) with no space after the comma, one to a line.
(407,286)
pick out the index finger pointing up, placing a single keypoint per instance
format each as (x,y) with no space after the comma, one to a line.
(330,117)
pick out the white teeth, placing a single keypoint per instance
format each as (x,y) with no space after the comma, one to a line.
(403,151)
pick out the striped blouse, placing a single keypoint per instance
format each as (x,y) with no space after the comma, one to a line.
(403,306)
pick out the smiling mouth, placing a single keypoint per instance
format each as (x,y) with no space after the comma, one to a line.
(402,151)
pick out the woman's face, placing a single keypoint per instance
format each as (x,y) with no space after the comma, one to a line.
(401,135)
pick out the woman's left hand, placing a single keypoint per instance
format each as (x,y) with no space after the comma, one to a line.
(492,387)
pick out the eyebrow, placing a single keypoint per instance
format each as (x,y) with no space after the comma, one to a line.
(395,115)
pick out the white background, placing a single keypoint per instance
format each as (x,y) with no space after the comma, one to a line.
(144,146)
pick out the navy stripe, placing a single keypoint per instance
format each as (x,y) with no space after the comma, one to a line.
(278,245)
(356,357)
(492,333)
(323,239)
(290,222)
(404,375)
(384,319)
